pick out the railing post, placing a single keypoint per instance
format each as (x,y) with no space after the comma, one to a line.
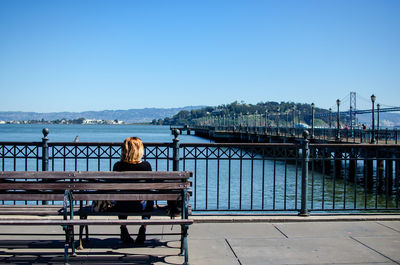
(304,175)
(172,205)
(175,147)
(45,153)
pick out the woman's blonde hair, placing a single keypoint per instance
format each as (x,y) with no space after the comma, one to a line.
(132,150)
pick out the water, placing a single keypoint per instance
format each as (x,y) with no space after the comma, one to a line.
(91,133)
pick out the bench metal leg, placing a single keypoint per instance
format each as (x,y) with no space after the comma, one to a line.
(184,243)
(68,241)
(66,247)
(184,228)
(182,240)
(69,229)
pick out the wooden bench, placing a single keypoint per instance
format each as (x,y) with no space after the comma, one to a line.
(74,188)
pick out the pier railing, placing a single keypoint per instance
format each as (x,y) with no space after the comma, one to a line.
(239,178)
(383,136)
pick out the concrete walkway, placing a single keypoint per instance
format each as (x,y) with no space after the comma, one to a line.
(223,240)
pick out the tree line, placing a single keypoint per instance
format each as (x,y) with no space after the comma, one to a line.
(270,110)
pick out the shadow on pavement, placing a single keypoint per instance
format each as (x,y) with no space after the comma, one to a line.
(96,251)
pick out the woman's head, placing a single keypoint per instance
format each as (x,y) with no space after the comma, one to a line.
(132,150)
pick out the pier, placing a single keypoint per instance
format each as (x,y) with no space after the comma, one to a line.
(263,134)
(278,125)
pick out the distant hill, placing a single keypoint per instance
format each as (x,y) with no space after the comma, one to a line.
(387,120)
(128,116)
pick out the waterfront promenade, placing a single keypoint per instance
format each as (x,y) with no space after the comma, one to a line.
(275,239)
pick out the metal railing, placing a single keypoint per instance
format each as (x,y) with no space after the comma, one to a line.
(243,178)
(385,136)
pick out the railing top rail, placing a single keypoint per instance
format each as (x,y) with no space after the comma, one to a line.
(102,144)
(352,145)
(20,143)
(78,143)
(237,144)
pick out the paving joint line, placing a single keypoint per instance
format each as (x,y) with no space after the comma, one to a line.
(391,228)
(365,245)
(280,231)
(237,258)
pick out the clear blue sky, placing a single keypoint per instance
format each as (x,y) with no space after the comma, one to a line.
(97,55)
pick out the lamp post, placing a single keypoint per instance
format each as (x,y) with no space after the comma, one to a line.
(265,123)
(338,120)
(298,116)
(373,98)
(287,118)
(378,106)
(330,118)
(312,119)
(351,118)
(224,120)
(293,116)
(351,121)
(287,123)
(279,117)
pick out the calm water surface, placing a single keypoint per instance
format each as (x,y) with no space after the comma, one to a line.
(91,133)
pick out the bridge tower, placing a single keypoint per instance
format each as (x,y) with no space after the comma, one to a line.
(353,109)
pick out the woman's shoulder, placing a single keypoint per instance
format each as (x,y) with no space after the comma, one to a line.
(145,165)
(118,166)
(124,166)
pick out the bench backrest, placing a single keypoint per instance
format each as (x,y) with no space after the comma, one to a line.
(94,185)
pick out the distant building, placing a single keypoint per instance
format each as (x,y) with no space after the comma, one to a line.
(90,121)
(93,121)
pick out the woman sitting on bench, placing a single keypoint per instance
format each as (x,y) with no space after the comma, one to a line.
(131,160)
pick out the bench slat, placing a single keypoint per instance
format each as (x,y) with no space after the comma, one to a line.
(93,186)
(49,210)
(95,175)
(89,196)
(31,197)
(31,212)
(96,222)
(36,206)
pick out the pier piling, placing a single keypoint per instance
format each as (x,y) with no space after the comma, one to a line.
(352,167)
(380,174)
